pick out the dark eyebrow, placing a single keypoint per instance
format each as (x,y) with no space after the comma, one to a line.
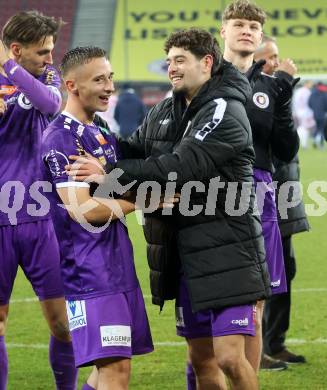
(175,57)
(103,75)
(44,51)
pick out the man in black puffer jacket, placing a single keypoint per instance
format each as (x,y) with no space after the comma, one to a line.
(199,135)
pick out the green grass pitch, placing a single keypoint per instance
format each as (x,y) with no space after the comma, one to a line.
(27,335)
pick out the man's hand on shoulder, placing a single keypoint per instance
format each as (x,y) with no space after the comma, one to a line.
(85,168)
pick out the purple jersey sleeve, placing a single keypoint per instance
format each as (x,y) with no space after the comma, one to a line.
(44,95)
(57,146)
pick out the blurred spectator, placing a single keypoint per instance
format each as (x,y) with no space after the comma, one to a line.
(318,104)
(129,112)
(303,114)
(108,115)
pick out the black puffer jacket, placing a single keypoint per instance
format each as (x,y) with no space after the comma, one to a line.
(291,220)
(270,115)
(222,256)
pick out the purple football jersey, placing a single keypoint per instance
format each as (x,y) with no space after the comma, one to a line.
(31,102)
(93,263)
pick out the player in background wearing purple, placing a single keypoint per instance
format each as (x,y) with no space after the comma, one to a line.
(29,99)
(105,307)
(270,116)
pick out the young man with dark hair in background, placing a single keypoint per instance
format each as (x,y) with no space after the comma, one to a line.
(270,116)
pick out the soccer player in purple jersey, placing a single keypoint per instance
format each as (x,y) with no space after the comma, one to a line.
(29,98)
(106,311)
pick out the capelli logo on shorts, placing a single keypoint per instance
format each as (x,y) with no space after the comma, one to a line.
(115,335)
(76,314)
(275,283)
(244,322)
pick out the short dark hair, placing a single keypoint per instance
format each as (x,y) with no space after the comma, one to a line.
(80,56)
(28,27)
(244,9)
(199,42)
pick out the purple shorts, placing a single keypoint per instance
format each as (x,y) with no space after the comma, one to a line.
(274,256)
(270,229)
(212,323)
(34,247)
(108,326)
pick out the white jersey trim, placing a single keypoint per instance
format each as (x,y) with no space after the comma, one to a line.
(72,184)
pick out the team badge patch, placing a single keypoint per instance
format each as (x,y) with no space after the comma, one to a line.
(76,314)
(261,99)
(24,102)
(115,335)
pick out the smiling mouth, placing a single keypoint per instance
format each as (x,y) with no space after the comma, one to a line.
(175,79)
(104,99)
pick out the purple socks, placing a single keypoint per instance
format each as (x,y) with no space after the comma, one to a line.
(62,362)
(190,377)
(3,364)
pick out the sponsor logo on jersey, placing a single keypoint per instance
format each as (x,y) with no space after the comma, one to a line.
(179,316)
(98,151)
(8,89)
(241,322)
(115,335)
(80,130)
(101,139)
(76,314)
(24,102)
(56,161)
(275,283)
(110,153)
(261,99)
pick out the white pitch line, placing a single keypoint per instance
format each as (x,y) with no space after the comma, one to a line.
(305,290)
(23,300)
(147,296)
(169,343)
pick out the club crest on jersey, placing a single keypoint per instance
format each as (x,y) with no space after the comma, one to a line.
(261,99)
(76,314)
(24,102)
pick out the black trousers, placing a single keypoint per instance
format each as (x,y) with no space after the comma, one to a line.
(276,315)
